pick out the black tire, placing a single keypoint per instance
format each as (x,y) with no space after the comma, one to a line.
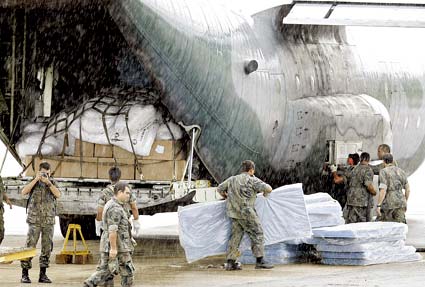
(85,221)
(63,223)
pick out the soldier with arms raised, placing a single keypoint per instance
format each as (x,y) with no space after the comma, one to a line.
(43,193)
(241,191)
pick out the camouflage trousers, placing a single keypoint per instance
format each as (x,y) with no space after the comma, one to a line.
(353,214)
(255,233)
(393,215)
(1,224)
(103,274)
(46,244)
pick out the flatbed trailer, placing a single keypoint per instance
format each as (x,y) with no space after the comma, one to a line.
(78,201)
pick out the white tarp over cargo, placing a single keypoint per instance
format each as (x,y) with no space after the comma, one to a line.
(127,121)
(205,229)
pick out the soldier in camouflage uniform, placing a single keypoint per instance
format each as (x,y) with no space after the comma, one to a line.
(241,191)
(43,193)
(360,192)
(340,177)
(383,149)
(392,203)
(115,243)
(108,193)
(4,197)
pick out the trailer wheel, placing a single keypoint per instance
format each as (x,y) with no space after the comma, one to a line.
(63,223)
(85,221)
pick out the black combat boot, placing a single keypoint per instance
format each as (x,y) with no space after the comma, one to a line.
(261,264)
(232,265)
(43,277)
(25,277)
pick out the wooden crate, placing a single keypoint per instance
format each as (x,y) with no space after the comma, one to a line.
(163,150)
(88,148)
(101,150)
(53,161)
(63,259)
(126,166)
(161,170)
(122,153)
(71,167)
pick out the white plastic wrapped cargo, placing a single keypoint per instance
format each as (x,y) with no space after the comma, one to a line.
(317,197)
(205,229)
(326,207)
(53,145)
(86,123)
(279,253)
(325,220)
(164,133)
(362,247)
(403,257)
(362,230)
(323,210)
(349,241)
(374,254)
(143,123)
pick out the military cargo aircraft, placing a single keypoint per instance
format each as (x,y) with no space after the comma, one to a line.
(288,84)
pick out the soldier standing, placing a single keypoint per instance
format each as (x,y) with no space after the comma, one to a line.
(340,177)
(43,193)
(4,197)
(108,193)
(392,203)
(359,196)
(115,243)
(383,149)
(241,191)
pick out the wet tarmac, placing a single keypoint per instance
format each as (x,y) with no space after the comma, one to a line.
(161,262)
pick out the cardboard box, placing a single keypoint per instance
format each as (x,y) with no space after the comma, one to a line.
(163,150)
(101,150)
(161,170)
(122,153)
(72,168)
(53,164)
(126,166)
(88,148)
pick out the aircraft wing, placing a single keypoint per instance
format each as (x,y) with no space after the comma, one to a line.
(399,13)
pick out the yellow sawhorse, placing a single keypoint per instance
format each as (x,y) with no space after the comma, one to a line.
(74,256)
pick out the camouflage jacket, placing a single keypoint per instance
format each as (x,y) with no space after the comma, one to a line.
(41,205)
(115,218)
(242,191)
(393,179)
(108,193)
(359,179)
(377,168)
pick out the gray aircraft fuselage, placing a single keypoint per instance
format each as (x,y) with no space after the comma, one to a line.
(313,84)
